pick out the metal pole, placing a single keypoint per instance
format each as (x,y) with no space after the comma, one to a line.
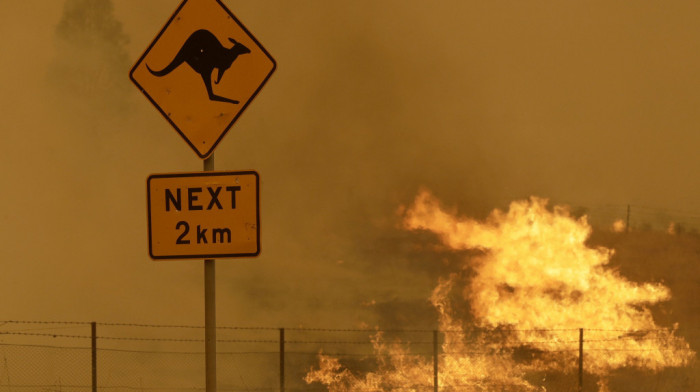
(93,328)
(210,310)
(580,360)
(281,359)
(435,360)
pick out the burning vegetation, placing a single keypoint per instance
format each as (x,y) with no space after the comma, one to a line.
(534,287)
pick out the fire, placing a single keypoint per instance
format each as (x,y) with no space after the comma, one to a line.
(536,286)
(619,226)
(672,228)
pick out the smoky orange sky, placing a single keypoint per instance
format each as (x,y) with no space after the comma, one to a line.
(586,103)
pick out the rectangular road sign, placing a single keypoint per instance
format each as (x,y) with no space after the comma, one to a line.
(203,215)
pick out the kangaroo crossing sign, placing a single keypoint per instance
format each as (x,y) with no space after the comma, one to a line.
(201,72)
(201,215)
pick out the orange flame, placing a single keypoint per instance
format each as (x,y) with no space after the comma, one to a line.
(619,226)
(538,283)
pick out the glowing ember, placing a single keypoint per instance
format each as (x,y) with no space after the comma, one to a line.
(619,226)
(536,284)
(672,228)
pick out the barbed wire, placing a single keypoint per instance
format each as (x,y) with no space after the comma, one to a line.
(629,337)
(500,349)
(54,335)
(187,326)
(58,387)
(118,362)
(313,329)
(42,322)
(45,346)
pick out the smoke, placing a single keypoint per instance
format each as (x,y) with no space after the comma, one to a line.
(90,60)
(481,103)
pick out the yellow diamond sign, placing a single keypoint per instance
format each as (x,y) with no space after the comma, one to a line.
(201,72)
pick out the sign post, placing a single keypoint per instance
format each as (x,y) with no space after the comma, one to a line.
(210,310)
(201,72)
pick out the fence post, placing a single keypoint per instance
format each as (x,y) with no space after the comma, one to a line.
(435,360)
(93,327)
(580,360)
(281,359)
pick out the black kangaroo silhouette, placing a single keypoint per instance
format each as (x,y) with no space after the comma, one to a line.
(203,52)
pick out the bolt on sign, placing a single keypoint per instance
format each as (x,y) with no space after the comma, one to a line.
(203,215)
(201,72)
